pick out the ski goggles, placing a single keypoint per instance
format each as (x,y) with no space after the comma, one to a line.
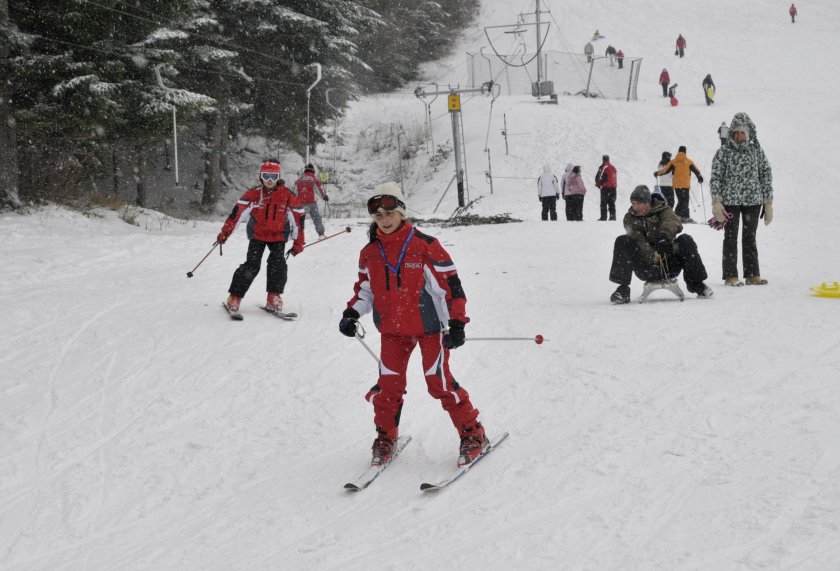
(270,176)
(384,202)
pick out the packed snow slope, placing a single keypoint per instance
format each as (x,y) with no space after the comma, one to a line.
(140,428)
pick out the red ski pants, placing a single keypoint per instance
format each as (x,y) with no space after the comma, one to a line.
(387,395)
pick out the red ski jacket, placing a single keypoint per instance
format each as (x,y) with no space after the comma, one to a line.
(305,188)
(410,284)
(681,42)
(269,211)
(664,78)
(792,10)
(607,176)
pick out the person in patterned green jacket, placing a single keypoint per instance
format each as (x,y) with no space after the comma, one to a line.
(741,186)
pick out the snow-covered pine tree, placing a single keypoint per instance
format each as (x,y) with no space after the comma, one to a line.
(86,86)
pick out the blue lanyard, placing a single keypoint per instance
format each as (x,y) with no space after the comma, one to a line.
(396,269)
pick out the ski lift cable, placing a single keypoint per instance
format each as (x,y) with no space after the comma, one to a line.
(498,55)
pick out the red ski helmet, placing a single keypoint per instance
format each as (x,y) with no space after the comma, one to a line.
(270,166)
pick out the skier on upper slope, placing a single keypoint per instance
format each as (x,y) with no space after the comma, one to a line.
(270,206)
(411,285)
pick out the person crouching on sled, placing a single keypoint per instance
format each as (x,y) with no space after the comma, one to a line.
(270,205)
(652,249)
(410,283)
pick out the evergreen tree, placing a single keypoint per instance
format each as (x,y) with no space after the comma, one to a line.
(87,83)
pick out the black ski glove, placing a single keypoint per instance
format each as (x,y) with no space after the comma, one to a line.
(664,246)
(699,179)
(455,336)
(348,324)
(327,198)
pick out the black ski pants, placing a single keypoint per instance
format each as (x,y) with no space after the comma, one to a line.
(574,207)
(682,209)
(549,207)
(668,193)
(627,260)
(276,268)
(608,202)
(749,249)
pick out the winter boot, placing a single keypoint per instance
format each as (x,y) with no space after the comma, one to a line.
(473,443)
(621,295)
(756,280)
(233,302)
(701,289)
(733,281)
(383,450)
(274,302)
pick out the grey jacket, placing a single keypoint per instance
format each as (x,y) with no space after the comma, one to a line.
(741,174)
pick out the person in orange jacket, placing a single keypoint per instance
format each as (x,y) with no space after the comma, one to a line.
(270,206)
(681,167)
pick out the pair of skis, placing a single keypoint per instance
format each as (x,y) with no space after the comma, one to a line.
(236,316)
(373,472)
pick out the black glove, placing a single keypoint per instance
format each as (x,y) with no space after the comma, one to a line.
(665,246)
(699,179)
(327,198)
(348,324)
(455,336)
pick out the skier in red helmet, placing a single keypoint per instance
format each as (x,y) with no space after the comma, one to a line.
(270,206)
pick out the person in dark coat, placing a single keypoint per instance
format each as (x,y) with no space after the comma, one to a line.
(708,85)
(652,246)
(610,53)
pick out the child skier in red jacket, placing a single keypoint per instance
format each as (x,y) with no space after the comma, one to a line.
(270,206)
(411,285)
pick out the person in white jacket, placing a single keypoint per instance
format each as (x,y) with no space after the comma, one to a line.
(548,191)
(665,182)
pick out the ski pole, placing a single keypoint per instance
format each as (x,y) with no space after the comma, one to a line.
(345,231)
(190,274)
(539,339)
(360,335)
(703,197)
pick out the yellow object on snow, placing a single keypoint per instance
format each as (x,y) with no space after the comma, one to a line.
(827,289)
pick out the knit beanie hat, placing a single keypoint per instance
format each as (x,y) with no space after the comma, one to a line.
(682,149)
(640,194)
(391,188)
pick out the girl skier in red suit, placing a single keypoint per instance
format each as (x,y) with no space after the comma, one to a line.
(270,207)
(410,284)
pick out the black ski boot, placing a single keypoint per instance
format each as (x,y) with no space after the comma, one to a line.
(621,295)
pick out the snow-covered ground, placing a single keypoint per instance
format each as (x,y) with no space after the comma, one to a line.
(142,429)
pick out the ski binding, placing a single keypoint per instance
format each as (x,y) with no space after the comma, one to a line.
(367,477)
(461,470)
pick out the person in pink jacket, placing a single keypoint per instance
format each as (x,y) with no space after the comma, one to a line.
(573,193)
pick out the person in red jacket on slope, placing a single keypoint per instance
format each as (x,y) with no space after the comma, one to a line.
(792,12)
(410,284)
(305,188)
(269,207)
(664,81)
